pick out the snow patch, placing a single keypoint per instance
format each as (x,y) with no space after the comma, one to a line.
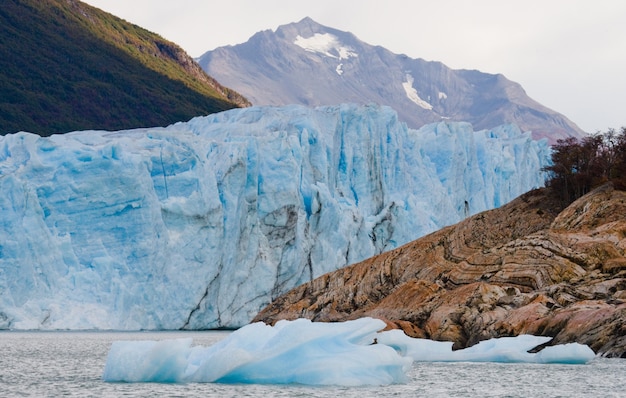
(411,93)
(339,70)
(325,44)
(443,96)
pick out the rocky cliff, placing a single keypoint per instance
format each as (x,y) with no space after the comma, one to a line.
(523,268)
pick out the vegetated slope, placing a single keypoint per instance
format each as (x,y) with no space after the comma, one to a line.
(519,269)
(65,66)
(311,64)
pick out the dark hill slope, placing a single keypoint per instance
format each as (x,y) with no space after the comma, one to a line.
(65,66)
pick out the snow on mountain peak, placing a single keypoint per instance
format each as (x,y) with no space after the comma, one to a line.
(411,93)
(287,75)
(325,44)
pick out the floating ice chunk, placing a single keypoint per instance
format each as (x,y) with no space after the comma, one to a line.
(503,349)
(303,352)
(290,352)
(156,361)
(572,353)
(421,350)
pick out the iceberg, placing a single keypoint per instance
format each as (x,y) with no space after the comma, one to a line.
(503,349)
(200,224)
(304,352)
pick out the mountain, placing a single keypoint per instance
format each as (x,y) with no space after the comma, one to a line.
(310,64)
(201,224)
(65,66)
(523,268)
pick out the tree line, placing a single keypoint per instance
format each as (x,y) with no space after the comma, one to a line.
(580,165)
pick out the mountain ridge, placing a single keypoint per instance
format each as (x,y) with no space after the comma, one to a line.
(277,68)
(76,67)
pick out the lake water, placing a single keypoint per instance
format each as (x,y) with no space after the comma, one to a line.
(70,364)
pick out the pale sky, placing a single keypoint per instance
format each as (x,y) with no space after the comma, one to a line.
(569,55)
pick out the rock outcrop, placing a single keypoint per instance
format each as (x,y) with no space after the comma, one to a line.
(523,268)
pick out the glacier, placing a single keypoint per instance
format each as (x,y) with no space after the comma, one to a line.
(303,352)
(200,224)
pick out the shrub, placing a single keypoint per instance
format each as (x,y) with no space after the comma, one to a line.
(578,166)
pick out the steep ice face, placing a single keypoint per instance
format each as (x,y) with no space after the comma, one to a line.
(201,224)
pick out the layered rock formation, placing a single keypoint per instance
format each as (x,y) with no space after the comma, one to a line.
(523,268)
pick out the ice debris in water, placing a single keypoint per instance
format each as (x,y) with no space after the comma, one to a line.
(305,352)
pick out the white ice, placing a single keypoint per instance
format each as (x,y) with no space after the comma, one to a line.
(503,349)
(303,352)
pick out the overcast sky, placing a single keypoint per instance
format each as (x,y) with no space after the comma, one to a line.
(569,55)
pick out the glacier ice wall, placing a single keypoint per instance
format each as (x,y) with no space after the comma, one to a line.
(201,224)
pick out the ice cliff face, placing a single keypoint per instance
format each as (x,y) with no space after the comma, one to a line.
(201,224)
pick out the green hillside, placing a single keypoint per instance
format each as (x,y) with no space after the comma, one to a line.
(66,66)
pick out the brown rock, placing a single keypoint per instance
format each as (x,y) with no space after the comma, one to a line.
(522,268)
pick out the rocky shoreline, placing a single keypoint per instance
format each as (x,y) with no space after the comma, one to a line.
(524,268)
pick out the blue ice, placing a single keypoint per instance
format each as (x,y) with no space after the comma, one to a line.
(305,352)
(200,224)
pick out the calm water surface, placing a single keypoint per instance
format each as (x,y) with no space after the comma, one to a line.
(70,364)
